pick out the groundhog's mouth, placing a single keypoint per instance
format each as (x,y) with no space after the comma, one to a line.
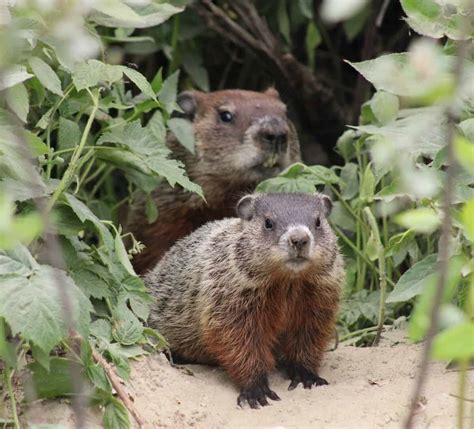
(297,263)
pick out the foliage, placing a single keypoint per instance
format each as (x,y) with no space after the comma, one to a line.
(70,130)
(395,162)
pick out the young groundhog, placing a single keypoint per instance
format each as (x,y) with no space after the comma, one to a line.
(241,138)
(246,292)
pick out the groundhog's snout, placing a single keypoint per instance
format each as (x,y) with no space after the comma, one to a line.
(298,241)
(273,133)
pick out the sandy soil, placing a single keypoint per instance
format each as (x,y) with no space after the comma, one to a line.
(369,388)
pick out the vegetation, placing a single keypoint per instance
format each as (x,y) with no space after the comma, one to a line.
(81,137)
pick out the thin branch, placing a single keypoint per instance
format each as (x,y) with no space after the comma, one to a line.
(444,242)
(122,394)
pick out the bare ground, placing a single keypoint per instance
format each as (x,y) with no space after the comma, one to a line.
(369,388)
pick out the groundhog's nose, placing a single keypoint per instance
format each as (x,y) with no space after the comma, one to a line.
(299,240)
(278,140)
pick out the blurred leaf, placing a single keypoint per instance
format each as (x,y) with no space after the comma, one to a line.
(414,280)
(17,99)
(306,8)
(345,144)
(312,41)
(283,21)
(116,415)
(372,247)
(150,13)
(367,185)
(421,317)
(56,382)
(455,343)
(184,132)
(46,75)
(151,210)
(69,134)
(193,64)
(430,18)
(13,75)
(424,220)
(341,217)
(464,150)
(341,10)
(354,25)
(349,180)
(384,106)
(467,219)
(140,81)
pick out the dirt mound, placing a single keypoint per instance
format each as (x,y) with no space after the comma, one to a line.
(369,388)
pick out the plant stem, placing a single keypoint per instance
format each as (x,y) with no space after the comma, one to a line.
(8,381)
(382,275)
(444,242)
(359,253)
(358,332)
(71,169)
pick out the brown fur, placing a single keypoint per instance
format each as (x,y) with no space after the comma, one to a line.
(225,166)
(227,295)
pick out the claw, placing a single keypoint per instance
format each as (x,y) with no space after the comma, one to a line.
(299,374)
(256,395)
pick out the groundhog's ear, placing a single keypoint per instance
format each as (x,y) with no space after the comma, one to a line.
(272,92)
(245,207)
(326,203)
(188,101)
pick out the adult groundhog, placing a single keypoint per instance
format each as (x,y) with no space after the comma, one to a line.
(241,138)
(245,292)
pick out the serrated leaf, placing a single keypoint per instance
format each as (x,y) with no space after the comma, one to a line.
(46,75)
(140,81)
(33,306)
(320,175)
(455,343)
(184,132)
(116,415)
(414,280)
(157,126)
(90,283)
(17,99)
(127,329)
(86,75)
(168,92)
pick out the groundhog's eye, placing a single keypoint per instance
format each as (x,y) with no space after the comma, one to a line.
(226,116)
(318,223)
(268,224)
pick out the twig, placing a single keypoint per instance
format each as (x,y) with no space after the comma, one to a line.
(117,385)
(443,248)
(461,397)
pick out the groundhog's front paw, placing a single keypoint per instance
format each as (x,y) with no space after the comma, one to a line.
(256,394)
(299,374)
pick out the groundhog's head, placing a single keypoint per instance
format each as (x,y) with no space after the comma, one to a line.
(242,136)
(291,231)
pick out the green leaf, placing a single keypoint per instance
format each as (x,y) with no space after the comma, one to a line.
(90,283)
(33,306)
(46,75)
(140,81)
(69,134)
(122,254)
(312,41)
(116,415)
(283,21)
(306,8)
(464,151)
(341,217)
(157,127)
(467,219)
(168,92)
(290,180)
(193,65)
(101,329)
(13,75)
(320,175)
(421,316)
(349,180)
(17,99)
(57,381)
(37,146)
(116,9)
(127,329)
(150,14)
(367,185)
(424,220)
(414,280)
(151,210)
(86,75)
(353,26)
(384,106)
(455,343)
(184,132)
(40,356)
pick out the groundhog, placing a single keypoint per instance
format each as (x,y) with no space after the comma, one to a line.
(241,138)
(247,292)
